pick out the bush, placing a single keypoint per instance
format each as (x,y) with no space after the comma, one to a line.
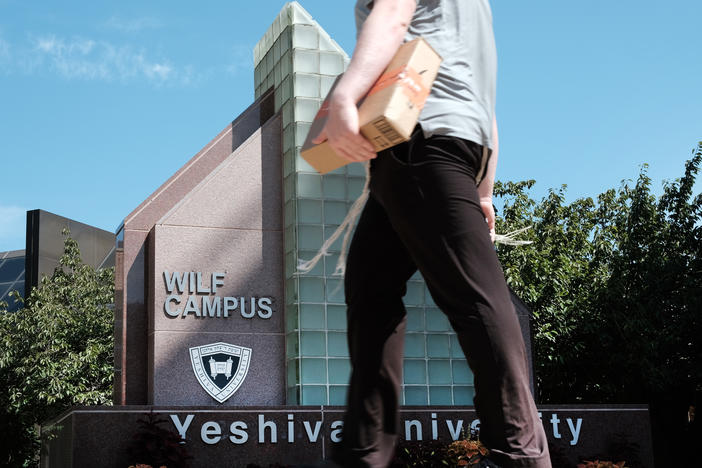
(463,452)
(55,352)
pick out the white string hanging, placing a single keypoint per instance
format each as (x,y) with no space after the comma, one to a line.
(346,227)
(509,238)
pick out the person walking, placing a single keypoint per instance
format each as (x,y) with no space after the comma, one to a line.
(430,209)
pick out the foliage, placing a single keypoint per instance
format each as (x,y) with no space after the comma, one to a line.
(466,452)
(55,352)
(615,286)
(601,464)
(155,446)
(420,454)
(463,452)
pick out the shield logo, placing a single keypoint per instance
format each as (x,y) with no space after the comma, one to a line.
(220,368)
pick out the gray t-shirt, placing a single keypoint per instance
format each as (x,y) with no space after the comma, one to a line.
(462,100)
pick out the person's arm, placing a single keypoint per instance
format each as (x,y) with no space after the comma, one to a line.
(486,185)
(379,39)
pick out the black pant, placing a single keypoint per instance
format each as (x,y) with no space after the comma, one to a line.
(424,213)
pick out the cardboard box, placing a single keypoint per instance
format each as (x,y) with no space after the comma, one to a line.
(389,112)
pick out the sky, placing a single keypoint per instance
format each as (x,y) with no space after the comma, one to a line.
(101,102)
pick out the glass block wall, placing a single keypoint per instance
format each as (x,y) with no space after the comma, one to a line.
(300,61)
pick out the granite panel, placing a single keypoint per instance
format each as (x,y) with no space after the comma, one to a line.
(134,264)
(235,437)
(102,436)
(58,444)
(580,431)
(207,166)
(151,356)
(134,366)
(251,264)
(117,390)
(117,336)
(150,293)
(174,382)
(134,319)
(119,306)
(244,192)
(197,168)
(590,431)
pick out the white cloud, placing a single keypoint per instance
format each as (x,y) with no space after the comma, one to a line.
(133,24)
(52,45)
(158,71)
(89,59)
(12,227)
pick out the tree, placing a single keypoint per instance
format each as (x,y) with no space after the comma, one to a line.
(615,286)
(55,352)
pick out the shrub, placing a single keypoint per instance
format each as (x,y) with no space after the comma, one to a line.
(601,464)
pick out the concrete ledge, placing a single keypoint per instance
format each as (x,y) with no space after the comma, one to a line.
(232,437)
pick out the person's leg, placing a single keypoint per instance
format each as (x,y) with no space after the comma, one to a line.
(433,205)
(377,270)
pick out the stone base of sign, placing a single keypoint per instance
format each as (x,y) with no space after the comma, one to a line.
(288,435)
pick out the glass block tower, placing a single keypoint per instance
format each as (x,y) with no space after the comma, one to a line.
(300,61)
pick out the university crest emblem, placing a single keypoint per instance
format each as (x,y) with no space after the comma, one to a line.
(220,368)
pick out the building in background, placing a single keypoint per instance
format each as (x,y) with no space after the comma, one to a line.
(22,270)
(11,277)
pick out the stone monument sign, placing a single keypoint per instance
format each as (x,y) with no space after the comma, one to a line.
(244,360)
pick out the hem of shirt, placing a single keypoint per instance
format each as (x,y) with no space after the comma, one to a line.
(470,136)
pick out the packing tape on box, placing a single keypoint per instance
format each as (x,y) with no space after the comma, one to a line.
(410,80)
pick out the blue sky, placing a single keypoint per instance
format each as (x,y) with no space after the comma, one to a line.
(100,102)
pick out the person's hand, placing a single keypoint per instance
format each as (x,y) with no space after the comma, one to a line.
(489,212)
(343,133)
